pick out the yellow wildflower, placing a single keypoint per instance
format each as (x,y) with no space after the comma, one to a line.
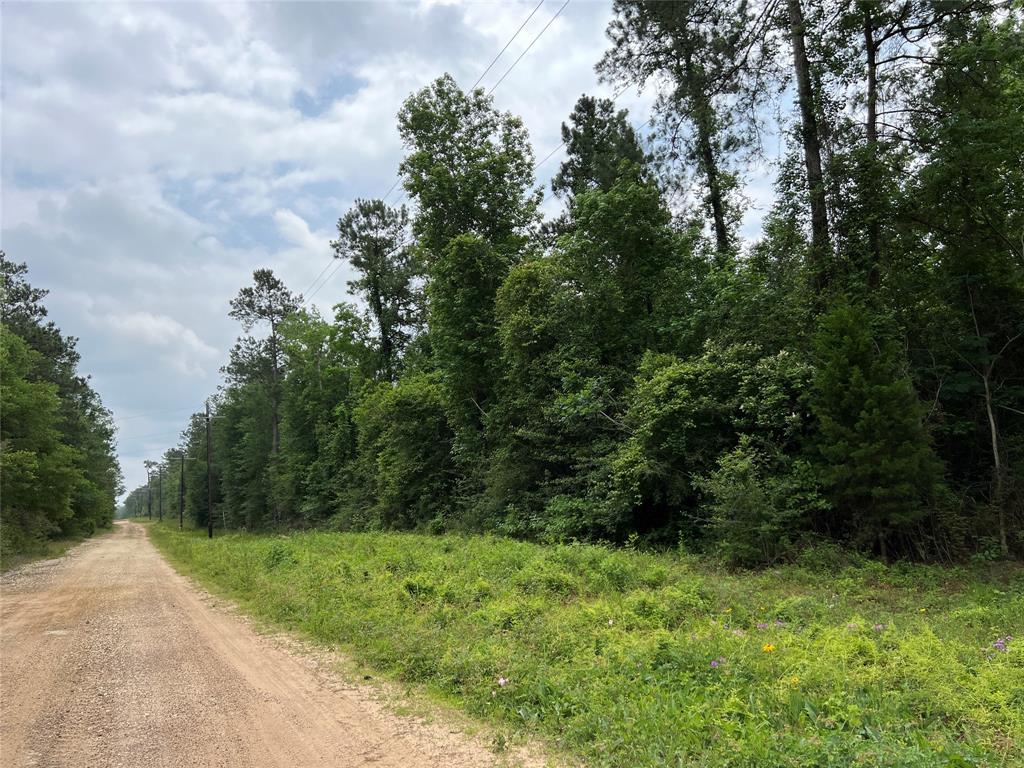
(767,647)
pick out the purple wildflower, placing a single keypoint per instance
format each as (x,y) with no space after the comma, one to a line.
(1000,643)
(879,627)
(716,663)
(762,625)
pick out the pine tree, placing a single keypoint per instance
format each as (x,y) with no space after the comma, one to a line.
(877,464)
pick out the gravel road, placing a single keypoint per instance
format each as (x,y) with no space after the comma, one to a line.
(108,657)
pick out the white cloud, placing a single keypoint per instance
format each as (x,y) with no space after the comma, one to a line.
(177,344)
(155,154)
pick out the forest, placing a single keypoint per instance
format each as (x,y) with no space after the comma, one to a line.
(59,476)
(634,369)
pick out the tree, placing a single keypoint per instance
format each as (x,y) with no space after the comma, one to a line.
(968,203)
(328,363)
(268,301)
(39,477)
(600,146)
(712,56)
(469,167)
(373,238)
(405,460)
(83,424)
(877,465)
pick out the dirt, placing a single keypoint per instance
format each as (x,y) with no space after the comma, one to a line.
(108,657)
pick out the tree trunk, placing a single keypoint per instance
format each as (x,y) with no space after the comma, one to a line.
(997,464)
(386,345)
(275,437)
(871,51)
(703,122)
(811,138)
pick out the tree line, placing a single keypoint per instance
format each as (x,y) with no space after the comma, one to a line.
(635,369)
(59,475)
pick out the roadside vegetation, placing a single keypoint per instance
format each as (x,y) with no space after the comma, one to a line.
(627,658)
(59,477)
(629,367)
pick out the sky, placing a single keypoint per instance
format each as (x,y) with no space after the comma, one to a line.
(154,155)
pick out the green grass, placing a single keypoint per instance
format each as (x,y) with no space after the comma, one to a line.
(609,653)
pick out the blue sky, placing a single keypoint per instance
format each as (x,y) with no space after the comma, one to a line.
(154,155)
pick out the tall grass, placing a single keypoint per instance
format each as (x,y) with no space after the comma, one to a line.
(638,659)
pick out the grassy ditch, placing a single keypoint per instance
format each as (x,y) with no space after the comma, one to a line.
(637,659)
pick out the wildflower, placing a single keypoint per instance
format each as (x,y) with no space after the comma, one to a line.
(1000,643)
(922,610)
(611,622)
(780,623)
(762,625)
(502,682)
(794,679)
(879,627)
(493,693)
(852,625)
(739,633)
(768,648)
(716,663)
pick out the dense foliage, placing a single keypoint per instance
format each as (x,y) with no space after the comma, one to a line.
(639,368)
(59,477)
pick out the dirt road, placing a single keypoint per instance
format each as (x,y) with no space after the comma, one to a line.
(110,658)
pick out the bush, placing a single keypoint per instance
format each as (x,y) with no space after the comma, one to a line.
(757,507)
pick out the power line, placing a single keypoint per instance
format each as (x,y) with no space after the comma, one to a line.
(391,189)
(142,414)
(341,263)
(527,49)
(152,434)
(327,279)
(495,59)
(315,279)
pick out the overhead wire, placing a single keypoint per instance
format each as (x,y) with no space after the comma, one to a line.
(307,295)
(495,59)
(527,49)
(143,414)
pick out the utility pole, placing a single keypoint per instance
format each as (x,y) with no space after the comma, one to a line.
(209,480)
(160,491)
(181,494)
(149,492)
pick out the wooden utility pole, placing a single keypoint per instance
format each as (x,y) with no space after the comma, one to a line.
(149,494)
(160,491)
(181,494)
(209,478)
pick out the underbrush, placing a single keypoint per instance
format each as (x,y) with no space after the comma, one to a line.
(637,659)
(46,549)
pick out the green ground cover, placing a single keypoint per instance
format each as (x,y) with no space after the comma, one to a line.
(637,659)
